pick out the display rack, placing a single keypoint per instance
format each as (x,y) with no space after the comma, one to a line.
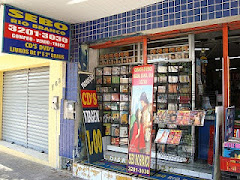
(114,95)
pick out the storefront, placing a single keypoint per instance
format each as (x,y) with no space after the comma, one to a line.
(184,60)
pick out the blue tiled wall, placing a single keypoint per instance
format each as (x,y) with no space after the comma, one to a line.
(162,14)
(66,142)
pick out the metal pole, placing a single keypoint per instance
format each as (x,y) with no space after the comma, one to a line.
(145,51)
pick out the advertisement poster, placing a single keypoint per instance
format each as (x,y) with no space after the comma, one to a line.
(30,34)
(229,123)
(93,126)
(139,151)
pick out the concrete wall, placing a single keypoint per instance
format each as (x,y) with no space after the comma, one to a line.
(56,85)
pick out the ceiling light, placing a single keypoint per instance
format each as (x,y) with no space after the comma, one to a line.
(200,49)
(76,1)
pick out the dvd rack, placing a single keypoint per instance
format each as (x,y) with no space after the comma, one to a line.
(113,84)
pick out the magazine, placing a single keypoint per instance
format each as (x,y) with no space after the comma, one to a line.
(162,78)
(184,78)
(174,137)
(161,89)
(183,118)
(172,88)
(124,80)
(162,98)
(172,116)
(197,117)
(107,106)
(172,68)
(162,136)
(123,131)
(107,97)
(115,106)
(124,70)
(98,80)
(124,117)
(106,79)
(124,106)
(124,88)
(162,69)
(161,116)
(107,116)
(115,79)
(172,79)
(98,71)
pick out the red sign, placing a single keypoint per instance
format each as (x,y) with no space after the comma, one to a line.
(89,98)
(143,75)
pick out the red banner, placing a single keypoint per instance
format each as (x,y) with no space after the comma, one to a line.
(89,98)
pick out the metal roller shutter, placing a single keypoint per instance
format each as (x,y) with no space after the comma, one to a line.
(25,108)
(15,107)
(37,110)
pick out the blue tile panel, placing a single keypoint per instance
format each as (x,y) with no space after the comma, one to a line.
(162,14)
(66,142)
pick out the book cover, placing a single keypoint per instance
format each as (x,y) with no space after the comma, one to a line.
(162,136)
(107,129)
(124,117)
(107,71)
(115,130)
(183,118)
(123,131)
(115,141)
(174,137)
(197,117)
(115,96)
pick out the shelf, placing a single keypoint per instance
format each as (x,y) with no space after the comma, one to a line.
(121,64)
(169,61)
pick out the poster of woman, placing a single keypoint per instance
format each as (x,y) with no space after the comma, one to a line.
(139,153)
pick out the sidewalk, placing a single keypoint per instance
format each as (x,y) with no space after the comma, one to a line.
(14,168)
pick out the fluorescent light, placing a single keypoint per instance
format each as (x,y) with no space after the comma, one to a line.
(217,59)
(76,1)
(200,49)
(238,57)
(221,69)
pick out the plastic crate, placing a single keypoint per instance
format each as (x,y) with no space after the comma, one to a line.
(230,164)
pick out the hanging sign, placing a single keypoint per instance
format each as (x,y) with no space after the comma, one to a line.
(30,34)
(139,151)
(93,126)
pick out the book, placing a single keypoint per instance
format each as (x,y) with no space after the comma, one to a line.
(162,136)
(115,141)
(174,137)
(183,118)
(123,131)
(116,70)
(115,131)
(107,129)
(115,96)
(197,117)
(107,71)
(124,117)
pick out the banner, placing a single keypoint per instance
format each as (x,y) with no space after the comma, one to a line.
(30,34)
(92,123)
(139,150)
(229,123)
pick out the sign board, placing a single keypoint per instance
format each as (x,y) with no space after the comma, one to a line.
(93,126)
(30,34)
(139,150)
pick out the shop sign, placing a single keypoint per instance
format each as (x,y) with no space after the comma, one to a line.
(30,34)
(93,126)
(139,151)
